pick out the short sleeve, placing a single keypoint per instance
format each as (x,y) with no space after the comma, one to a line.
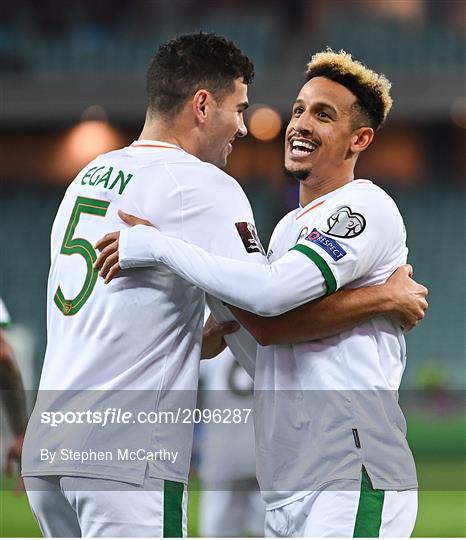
(357,235)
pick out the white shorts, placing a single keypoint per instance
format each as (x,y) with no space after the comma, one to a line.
(66,506)
(368,513)
(234,513)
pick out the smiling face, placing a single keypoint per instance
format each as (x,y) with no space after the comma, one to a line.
(225,123)
(321,144)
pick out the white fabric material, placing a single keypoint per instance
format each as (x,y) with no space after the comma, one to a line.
(4,315)
(351,379)
(330,513)
(264,289)
(358,233)
(143,331)
(74,507)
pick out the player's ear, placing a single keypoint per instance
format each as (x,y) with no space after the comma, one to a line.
(201,102)
(361,139)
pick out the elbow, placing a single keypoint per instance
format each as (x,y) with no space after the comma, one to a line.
(264,338)
(268,306)
(263,334)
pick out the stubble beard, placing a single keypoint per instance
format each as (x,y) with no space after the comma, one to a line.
(299,175)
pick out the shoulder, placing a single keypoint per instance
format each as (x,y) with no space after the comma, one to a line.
(363,206)
(364,196)
(364,192)
(285,221)
(202,174)
(205,184)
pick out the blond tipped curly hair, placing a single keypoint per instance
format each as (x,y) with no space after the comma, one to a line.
(371,89)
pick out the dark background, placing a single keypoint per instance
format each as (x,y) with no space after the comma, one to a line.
(72,78)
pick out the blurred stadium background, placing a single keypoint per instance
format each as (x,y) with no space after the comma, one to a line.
(72,76)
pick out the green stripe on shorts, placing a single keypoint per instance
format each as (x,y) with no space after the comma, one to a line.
(369,515)
(172,509)
(330,280)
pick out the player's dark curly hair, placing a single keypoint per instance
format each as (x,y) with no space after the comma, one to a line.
(190,62)
(371,89)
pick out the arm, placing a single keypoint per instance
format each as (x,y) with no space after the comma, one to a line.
(318,319)
(400,298)
(12,393)
(261,288)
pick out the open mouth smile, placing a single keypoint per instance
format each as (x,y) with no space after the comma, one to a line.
(302,148)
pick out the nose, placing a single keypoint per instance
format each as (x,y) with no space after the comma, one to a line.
(303,125)
(242,129)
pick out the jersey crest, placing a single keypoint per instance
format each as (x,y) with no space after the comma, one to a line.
(344,223)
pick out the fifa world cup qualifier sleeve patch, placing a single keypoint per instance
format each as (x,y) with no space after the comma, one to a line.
(249,237)
(344,223)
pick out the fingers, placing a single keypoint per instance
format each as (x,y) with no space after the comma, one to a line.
(105,253)
(223,329)
(413,320)
(229,327)
(112,272)
(109,263)
(106,240)
(400,274)
(407,327)
(108,259)
(133,220)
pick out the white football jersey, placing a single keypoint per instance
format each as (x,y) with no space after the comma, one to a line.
(324,408)
(139,337)
(334,407)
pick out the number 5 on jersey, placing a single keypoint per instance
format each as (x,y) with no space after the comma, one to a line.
(80,246)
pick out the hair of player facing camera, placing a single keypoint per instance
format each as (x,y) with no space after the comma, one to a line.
(371,89)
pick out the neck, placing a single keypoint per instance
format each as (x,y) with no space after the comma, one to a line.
(314,187)
(175,131)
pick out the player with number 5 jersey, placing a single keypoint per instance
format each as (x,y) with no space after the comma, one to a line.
(331,449)
(134,345)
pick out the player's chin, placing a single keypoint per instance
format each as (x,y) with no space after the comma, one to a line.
(299,173)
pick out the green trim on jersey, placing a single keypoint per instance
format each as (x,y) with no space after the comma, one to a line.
(369,516)
(172,509)
(330,280)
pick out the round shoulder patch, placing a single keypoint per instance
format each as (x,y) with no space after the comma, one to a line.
(344,223)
